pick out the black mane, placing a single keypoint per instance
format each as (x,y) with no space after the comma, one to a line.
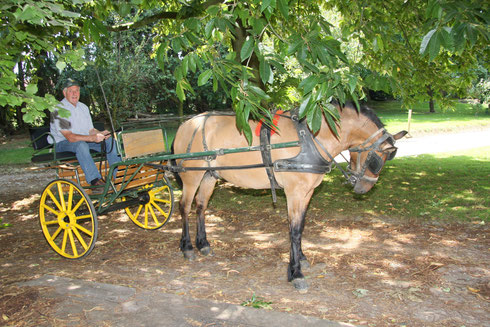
(366,111)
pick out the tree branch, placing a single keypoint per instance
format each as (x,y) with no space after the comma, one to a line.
(184,13)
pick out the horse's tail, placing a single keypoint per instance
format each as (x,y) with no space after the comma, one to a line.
(174,164)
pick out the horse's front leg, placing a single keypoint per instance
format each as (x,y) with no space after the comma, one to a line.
(297,204)
(202,199)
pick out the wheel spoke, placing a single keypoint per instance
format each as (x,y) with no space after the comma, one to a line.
(70,198)
(146,216)
(72,242)
(153,213)
(83,217)
(65,238)
(83,229)
(50,209)
(80,239)
(160,209)
(51,195)
(51,222)
(55,235)
(62,197)
(163,201)
(82,200)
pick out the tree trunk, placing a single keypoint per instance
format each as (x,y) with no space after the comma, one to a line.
(22,86)
(430,92)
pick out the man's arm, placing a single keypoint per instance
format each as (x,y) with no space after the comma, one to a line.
(94,136)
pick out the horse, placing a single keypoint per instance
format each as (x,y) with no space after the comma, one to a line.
(360,131)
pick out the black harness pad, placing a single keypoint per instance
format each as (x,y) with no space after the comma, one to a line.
(309,159)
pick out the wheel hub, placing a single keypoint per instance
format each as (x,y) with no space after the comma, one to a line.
(144,198)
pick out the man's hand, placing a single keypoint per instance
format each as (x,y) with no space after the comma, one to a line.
(99,137)
(106,134)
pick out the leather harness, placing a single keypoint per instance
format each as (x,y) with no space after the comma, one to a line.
(308,160)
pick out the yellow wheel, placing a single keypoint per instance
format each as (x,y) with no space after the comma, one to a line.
(155,207)
(68,219)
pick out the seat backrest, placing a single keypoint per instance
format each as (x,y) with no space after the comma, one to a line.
(143,142)
(39,137)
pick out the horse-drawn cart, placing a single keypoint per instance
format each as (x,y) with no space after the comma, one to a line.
(69,206)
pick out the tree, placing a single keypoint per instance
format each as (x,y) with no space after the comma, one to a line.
(255,50)
(418,50)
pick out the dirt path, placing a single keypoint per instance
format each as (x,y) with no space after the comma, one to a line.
(369,272)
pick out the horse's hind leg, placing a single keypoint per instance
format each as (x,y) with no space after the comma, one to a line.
(205,191)
(190,185)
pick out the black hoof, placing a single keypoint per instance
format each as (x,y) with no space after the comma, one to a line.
(300,284)
(304,264)
(207,251)
(189,255)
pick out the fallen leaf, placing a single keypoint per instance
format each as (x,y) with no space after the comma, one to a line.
(360,292)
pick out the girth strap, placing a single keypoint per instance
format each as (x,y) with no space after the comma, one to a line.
(265,141)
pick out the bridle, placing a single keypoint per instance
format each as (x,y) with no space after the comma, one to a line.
(373,161)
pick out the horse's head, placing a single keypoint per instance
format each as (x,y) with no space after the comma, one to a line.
(368,158)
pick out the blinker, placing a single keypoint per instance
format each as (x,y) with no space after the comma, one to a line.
(374,163)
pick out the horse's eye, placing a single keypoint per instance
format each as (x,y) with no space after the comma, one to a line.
(374,163)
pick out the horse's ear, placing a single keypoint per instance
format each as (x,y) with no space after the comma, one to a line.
(399,135)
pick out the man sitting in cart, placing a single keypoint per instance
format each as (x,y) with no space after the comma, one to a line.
(77,133)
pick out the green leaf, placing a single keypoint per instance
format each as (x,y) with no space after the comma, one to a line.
(266,4)
(61,65)
(304,105)
(352,83)
(333,47)
(283,7)
(434,45)
(314,119)
(31,89)
(161,54)
(331,122)
(447,38)
(295,43)
(265,71)
(258,92)
(208,29)
(180,91)
(309,83)
(247,48)
(424,46)
(204,77)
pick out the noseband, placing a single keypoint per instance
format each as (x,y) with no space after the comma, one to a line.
(373,161)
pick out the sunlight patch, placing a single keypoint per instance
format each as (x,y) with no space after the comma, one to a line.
(25,203)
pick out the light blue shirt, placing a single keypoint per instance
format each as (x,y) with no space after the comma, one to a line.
(79,122)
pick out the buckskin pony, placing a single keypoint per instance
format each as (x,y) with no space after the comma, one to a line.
(298,170)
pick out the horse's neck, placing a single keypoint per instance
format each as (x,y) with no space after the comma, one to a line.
(353,129)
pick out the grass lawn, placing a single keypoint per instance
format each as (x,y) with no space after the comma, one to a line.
(463,116)
(448,187)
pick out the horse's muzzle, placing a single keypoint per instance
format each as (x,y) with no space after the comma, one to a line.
(364,184)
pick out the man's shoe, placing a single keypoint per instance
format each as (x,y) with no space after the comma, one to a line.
(97,182)
(97,186)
